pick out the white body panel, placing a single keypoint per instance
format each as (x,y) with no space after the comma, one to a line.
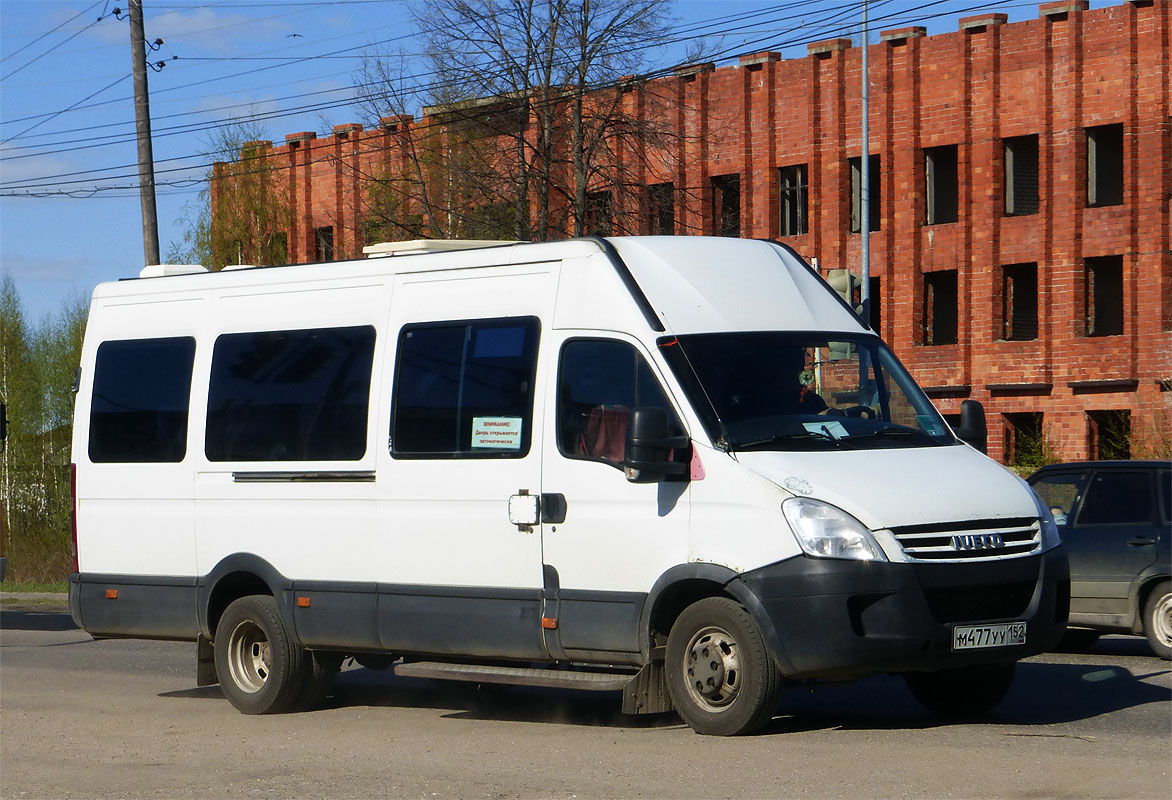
(446,522)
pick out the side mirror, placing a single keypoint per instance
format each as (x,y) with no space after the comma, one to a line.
(972,427)
(649,447)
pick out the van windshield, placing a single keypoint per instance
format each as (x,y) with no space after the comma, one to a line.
(803,391)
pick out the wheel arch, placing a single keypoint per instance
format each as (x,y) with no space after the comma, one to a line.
(1146,585)
(236,576)
(685,584)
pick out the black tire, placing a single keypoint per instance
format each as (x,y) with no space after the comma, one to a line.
(1157,620)
(319,670)
(261,669)
(721,677)
(1077,640)
(961,692)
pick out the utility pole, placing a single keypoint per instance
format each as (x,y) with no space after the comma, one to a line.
(865,181)
(142,119)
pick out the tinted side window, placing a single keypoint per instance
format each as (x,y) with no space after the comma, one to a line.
(1060,492)
(290,395)
(142,388)
(599,382)
(1118,498)
(465,389)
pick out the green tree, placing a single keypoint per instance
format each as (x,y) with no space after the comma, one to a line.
(36,378)
(251,221)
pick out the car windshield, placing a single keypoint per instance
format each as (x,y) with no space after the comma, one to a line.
(803,391)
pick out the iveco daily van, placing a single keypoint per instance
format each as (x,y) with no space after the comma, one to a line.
(677,467)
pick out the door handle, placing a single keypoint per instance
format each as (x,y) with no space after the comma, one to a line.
(1141,541)
(553,508)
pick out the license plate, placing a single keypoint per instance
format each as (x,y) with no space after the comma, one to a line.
(976,637)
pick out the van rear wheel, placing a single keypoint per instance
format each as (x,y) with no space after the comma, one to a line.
(963,691)
(261,669)
(721,677)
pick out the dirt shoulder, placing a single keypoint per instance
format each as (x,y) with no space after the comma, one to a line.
(34,601)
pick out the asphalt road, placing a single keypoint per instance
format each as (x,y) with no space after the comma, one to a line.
(111,719)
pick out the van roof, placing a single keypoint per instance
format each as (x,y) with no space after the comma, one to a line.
(682,284)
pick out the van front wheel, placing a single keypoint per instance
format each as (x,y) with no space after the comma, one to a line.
(261,669)
(721,677)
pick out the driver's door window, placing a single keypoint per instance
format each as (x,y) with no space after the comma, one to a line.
(599,382)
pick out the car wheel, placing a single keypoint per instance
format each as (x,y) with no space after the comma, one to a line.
(1158,620)
(721,677)
(261,669)
(963,691)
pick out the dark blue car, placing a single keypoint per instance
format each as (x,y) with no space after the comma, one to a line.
(1116,522)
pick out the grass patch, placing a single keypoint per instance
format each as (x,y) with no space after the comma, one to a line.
(59,587)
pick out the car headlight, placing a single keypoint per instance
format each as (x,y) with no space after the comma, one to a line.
(1051,538)
(826,531)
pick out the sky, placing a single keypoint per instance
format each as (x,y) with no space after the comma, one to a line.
(70,213)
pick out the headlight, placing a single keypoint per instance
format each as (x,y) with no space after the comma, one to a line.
(1051,538)
(826,531)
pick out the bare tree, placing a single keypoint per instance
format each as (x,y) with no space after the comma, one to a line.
(525,111)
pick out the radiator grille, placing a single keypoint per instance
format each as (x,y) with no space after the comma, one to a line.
(968,541)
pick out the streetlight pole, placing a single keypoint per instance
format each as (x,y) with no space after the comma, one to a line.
(865,181)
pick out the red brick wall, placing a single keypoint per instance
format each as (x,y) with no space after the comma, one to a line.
(1053,76)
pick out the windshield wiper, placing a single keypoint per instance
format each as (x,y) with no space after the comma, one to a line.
(895,430)
(819,436)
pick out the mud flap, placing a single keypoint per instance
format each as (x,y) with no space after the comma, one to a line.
(646,693)
(205,662)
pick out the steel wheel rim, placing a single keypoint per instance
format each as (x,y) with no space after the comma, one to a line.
(249,656)
(1162,620)
(712,669)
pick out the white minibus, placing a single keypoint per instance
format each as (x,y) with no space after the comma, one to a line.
(682,469)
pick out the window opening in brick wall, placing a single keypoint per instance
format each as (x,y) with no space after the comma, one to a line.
(793,193)
(1021,175)
(873,191)
(1104,296)
(1019,298)
(1025,443)
(940,307)
(726,205)
(1109,434)
(598,213)
(661,206)
(323,243)
(1105,165)
(940,184)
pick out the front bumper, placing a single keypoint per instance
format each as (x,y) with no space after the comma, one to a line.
(839,620)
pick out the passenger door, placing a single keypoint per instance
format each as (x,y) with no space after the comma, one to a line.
(606,540)
(1111,538)
(461,572)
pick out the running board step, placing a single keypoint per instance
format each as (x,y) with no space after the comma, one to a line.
(516,676)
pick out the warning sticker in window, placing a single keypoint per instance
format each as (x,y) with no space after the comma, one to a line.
(496,433)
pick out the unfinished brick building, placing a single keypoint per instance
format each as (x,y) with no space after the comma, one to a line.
(1021,178)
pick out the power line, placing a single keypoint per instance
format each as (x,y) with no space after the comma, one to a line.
(25,184)
(51,49)
(47,33)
